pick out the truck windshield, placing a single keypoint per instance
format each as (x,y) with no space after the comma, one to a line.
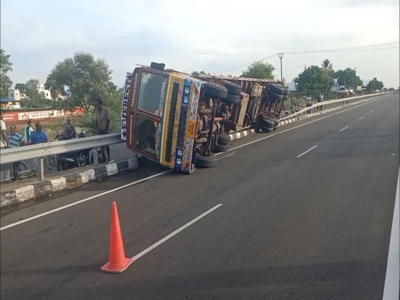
(150,92)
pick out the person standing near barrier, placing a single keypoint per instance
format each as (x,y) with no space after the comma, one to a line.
(5,169)
(28,131)
(15,140)
(39,136)
(102,118)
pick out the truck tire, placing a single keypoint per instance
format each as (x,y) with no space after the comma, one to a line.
(215,91)
(224,139)
(222,148)
(230,98)
(277,89)
(267,123)
(274,96)
(266,129)
(232,88)
(206,161)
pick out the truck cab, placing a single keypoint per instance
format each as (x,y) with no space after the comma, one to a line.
(170,118)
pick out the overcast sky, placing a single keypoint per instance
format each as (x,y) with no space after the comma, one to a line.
(214,36)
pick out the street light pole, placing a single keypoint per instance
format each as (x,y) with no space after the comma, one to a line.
(281,56)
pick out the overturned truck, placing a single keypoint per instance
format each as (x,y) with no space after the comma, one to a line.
(181,121)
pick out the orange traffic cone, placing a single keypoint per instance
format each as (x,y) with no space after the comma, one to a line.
(118,262)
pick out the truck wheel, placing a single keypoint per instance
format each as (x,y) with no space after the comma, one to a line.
(230,98)
(277,89)
(267,123)
(224,139)
(222,148)
(232,88)
(274,96)
(266,129)
(206,161)
(215,91)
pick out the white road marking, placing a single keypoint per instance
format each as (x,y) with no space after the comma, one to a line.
(83,200)
(312,148)
(144,252)
(298,126)
(165,172)
(344,128)
(362,118)
(226,156)
(391,289)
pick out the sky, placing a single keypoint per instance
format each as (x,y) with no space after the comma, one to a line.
(218,36)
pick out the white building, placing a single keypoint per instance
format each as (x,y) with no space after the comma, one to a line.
(17,95)
(45,92)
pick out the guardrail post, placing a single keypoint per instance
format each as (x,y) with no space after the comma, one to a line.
(41,168)
(95,156)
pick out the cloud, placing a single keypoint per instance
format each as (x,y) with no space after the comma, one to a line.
(209,35)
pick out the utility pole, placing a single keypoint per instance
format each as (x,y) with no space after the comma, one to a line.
(281,56)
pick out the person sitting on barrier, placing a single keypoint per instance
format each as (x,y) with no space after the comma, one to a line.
(69,131)
(15,140)
(102,118)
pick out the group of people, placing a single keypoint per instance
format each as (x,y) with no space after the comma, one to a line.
(14,139)
(8,172)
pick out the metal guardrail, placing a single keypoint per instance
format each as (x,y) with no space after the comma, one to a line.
(52,148)
(332,103)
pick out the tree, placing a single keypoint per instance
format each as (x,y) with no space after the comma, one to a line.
(32,89)
(113,101)
(35,98)
(259,69)
(21,87)
(314,80)
(5,67)
(86,77)
(327,65)
(348,77)
(197,74)
(375,84)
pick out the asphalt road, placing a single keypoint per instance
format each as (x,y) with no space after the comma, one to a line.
(294,223)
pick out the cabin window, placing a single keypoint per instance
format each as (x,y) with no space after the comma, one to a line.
(151,87)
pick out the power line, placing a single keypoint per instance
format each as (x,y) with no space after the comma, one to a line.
(383,46)
(367,47)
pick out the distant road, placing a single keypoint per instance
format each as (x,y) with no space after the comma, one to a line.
(305,214)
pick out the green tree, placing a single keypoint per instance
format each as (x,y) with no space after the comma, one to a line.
(5,67)
(348,77)
(35,98)
(86,77)
(259,69)
(113,101)
(21,87)
(197,74)
(375,84)
(314,80)
(327,65)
